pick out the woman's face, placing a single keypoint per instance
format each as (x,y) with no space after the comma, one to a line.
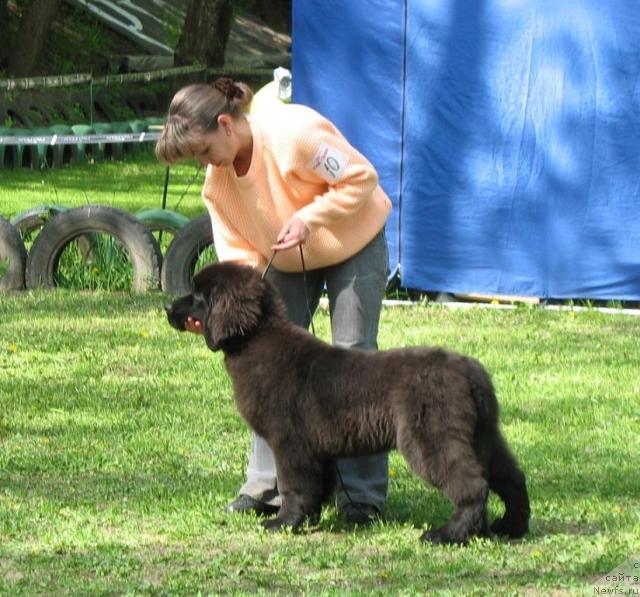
(215,147)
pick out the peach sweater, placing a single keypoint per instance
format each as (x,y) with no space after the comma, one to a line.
(301,164)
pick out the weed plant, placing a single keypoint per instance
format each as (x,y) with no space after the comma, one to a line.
(95,262)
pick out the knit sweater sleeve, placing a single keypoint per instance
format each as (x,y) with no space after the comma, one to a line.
(322,156)
(229,245)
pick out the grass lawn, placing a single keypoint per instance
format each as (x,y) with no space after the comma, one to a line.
(134,184)
(120,445)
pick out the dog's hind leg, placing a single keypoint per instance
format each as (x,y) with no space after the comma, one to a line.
(301,487)
(465,486)
(328,479)
(452,467)
(508,481)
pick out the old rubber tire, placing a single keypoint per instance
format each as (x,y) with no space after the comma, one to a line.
(182,255)
(12,249)
(162,219)
(61,230)
(30,222)
(35,218)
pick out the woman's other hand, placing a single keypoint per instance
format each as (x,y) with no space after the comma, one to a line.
(194,326)
(293,233)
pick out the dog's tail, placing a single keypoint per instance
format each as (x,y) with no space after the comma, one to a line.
(503,474)
(486,403)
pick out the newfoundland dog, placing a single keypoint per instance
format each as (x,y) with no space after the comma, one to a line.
(313,403)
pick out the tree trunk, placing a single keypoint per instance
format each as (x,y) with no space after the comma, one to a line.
(204,33)
(32,36)
(4,34)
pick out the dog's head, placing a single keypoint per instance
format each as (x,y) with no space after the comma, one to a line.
(232,301)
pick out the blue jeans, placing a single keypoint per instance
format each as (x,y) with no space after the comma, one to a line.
(355,288)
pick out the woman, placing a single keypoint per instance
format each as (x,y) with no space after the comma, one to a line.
(277,179)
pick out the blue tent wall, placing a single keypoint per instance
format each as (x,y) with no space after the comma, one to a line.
(356,80)
(506,133)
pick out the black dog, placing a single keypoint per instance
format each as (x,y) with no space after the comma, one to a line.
(313,402)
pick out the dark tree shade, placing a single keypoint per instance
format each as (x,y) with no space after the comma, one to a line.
(32,36)
(204,33)
(275,13)
(4,33)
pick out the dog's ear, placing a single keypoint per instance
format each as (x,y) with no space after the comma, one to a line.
(234,311)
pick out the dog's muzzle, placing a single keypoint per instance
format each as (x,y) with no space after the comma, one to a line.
(175,320)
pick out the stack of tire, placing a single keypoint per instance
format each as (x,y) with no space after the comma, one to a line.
(60,226)
(13,257)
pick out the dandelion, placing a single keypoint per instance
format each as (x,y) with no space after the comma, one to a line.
(12,348)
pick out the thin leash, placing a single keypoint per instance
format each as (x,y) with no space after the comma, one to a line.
(306,297)
(266,269)
(304,279)
(306,293)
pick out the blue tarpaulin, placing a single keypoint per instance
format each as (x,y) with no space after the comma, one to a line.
(506,132)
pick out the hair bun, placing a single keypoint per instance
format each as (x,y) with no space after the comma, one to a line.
(228,88)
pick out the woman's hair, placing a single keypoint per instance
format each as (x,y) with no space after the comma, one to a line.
(194,110)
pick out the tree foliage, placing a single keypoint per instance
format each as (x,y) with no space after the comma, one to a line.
(25,27)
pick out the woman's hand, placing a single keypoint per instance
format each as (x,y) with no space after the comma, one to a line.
(193,325)
(293,233)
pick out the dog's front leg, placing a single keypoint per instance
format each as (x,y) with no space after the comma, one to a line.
(291,514)
(300,485)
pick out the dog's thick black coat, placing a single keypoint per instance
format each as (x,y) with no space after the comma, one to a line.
(313,403)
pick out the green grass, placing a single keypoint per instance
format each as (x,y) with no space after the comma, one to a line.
(120,445)
(94,262)
(134,184)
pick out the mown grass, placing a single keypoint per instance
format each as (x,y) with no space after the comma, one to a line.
(120,445)
(133,184)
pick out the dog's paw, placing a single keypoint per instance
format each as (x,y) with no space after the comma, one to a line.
(274,524)
(293,524)
(442,536)
(434,536)
(509,528)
